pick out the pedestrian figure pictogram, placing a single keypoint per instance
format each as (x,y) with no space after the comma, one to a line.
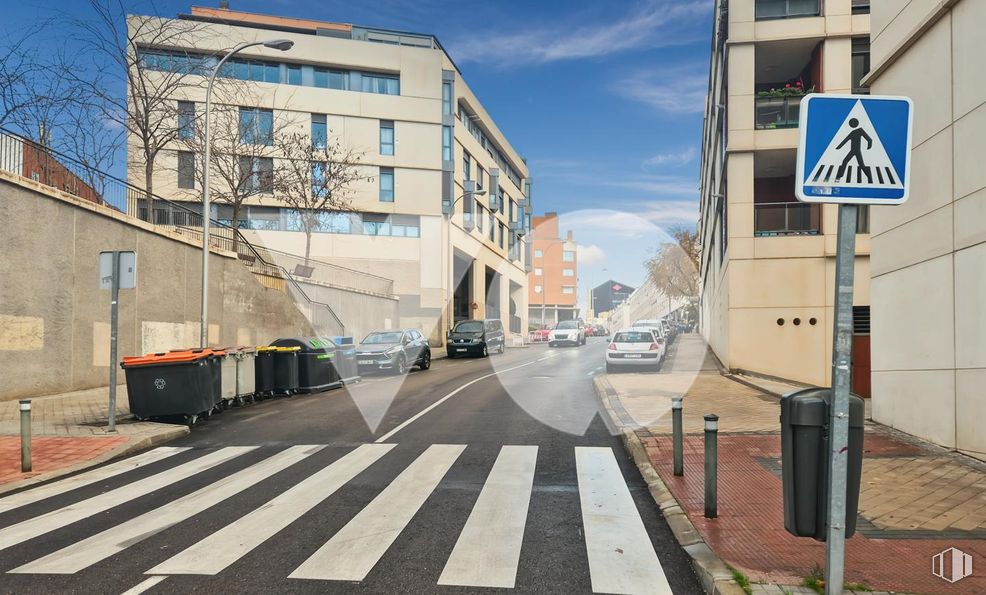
(855,139)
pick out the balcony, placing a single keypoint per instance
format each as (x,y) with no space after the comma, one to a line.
(787,219)
(777,112)
(787,9)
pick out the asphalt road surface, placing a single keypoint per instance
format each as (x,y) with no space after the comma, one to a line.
(478,475)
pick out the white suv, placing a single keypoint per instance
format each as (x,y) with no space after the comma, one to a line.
(567,332)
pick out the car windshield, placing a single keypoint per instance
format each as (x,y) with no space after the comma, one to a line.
(380,338)
(470,326)
(567,324)
(634,337)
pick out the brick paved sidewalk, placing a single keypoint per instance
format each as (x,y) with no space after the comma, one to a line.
(916,499)
(69,433)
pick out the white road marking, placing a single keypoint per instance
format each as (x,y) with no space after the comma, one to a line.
(90,477)
(85,553)
(352,552)
(224,547)
(143,586)
(424,411)
(621,557)
(57,519)
(488,549)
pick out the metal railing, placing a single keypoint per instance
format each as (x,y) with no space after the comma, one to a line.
(24,157)
(787,219)
(777,112)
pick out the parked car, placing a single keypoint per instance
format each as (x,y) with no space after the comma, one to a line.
(541,334)
(601,331)
(394,351)
(476,337)
(638,347)
(568,332)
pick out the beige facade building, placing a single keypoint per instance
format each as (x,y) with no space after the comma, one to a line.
(553,291)
(929,254)
(399,99)
(768,261)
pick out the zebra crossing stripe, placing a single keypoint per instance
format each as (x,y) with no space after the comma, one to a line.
(621,557)
(224,547)
(85,553)
(488,549)
(89,477)
(56,519)
(352,552)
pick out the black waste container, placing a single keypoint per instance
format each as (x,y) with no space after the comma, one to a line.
(215,360)
(316,372)
(179,383)
(345,360)
(286,370)
(264,373)
(805,461)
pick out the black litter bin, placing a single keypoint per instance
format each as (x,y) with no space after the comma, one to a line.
(286,370)
(345,361)
(316,372)
(165,385)
(264,373)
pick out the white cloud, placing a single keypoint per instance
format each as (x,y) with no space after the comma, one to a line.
(654,23)
(675,91)
(667,213)
(591,254)
(672,159)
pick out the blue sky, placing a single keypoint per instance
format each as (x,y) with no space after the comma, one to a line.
(604,99)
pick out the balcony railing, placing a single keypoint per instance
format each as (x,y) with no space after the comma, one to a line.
(777,112)
(787,219)
(787,9)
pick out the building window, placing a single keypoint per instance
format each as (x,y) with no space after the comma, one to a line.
(492,227)
(294,74)
(375,224)
(568,255)
(446,143)
(386,137)
(385,85)
(538,254)
(863,219)
(186,120)
(331,79)
(186,169)
(252,70)
(860,63)
(257,174)
(861,6)
(466,166)
(502,227)
(320,131)
(503,198)
(538,272)
(513,215)
(405,226)
(386,184)
(568,290)
(568,273)
(256,126)
(446,98)
(538,289)
(479,177)
(787,9)
(319,189)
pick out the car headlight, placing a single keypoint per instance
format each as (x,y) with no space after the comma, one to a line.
(392,351)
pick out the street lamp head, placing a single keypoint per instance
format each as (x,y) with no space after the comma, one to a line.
(480,193)
(279,44)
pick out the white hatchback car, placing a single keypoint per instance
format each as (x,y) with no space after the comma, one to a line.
(635,347)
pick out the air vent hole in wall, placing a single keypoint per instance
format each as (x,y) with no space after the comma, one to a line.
(780,322)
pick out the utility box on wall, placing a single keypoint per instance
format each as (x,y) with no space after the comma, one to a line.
(805,461)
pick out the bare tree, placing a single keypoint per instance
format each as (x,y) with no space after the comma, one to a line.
(674,267)
(19,69)
(316,177)
(133,87)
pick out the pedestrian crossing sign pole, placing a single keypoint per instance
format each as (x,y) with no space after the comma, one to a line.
(854,149)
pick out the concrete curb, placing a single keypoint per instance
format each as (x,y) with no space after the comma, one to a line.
(133,446)
(712,572)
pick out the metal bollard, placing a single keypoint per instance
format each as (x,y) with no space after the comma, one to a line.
(711,465)
(677,436)
(25,436)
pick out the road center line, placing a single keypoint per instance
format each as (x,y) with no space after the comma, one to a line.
(424,411)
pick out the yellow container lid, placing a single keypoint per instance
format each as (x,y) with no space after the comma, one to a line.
(284,349)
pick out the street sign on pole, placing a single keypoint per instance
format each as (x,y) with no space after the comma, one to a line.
(854,149)
(117,270)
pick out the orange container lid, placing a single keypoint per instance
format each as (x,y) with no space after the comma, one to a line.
(172,357)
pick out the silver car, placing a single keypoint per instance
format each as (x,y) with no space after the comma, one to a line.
(635,348)
(393,351)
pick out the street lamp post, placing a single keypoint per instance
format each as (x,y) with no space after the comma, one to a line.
(451,260)
(276,44)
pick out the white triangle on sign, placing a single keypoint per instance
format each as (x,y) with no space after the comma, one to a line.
(852,161)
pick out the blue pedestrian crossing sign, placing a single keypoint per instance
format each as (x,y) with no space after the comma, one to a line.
(854,149)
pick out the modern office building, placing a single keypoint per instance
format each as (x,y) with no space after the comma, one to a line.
(609,295)
(928,286)
(399,100)
(553,281)
(768,261)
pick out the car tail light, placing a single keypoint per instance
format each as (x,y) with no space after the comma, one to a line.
(654,346)
(612,347)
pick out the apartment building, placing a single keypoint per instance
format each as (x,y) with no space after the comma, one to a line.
(400,101)
(553,280)
(768,261)
(928,268)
